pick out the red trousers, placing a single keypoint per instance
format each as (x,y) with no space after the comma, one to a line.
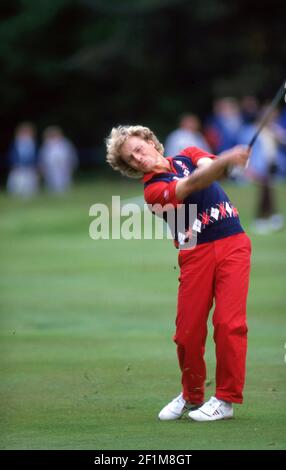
(217,271)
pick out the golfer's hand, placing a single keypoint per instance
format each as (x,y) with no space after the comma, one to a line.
(238,155)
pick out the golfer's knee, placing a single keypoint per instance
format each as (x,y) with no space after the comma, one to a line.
(238,328)
(189,342)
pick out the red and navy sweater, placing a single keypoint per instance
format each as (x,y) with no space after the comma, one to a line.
(215,217)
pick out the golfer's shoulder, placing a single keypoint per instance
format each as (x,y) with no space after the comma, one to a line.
(195,154)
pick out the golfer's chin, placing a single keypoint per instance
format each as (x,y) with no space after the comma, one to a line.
(147,167)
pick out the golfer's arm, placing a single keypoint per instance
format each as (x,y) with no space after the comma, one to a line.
(202,177)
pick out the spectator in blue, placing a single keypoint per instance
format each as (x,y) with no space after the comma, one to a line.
(23,177)
(282,117)
(249,107)
(223,126)
(279,129)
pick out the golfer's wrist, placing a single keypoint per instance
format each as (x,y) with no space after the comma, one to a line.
(228,170)
(227,163)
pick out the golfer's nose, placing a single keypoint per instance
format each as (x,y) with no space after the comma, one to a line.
(137,158)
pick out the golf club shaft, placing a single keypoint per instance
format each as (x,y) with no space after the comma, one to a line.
(268,112)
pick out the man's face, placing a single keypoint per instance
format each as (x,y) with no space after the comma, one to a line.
(139,154)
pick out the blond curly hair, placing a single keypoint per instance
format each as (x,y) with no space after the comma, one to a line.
(115,141)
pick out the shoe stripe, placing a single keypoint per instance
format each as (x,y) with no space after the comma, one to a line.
(204,413)
(215,413)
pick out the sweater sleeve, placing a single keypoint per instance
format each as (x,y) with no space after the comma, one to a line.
(161,193)
(194,153)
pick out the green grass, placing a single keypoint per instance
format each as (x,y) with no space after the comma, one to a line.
(87,357)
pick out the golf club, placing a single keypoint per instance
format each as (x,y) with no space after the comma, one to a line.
(268,112)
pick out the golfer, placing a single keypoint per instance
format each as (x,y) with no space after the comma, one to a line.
(215,269)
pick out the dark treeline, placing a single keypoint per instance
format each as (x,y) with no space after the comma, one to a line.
(89,64)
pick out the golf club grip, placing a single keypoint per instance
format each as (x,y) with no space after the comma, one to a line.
(268,112)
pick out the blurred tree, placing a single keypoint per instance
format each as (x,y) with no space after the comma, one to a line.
(90,64)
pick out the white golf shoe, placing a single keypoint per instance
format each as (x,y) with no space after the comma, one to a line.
(212,410)
(175,409)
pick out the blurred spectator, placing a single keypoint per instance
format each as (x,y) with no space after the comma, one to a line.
(249,109)
(187,135)
(58,159)
(261,169)
(282,117)
(279,130)
(23,177)
(223,126)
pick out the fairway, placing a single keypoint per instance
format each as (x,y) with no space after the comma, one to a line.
(87,357)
